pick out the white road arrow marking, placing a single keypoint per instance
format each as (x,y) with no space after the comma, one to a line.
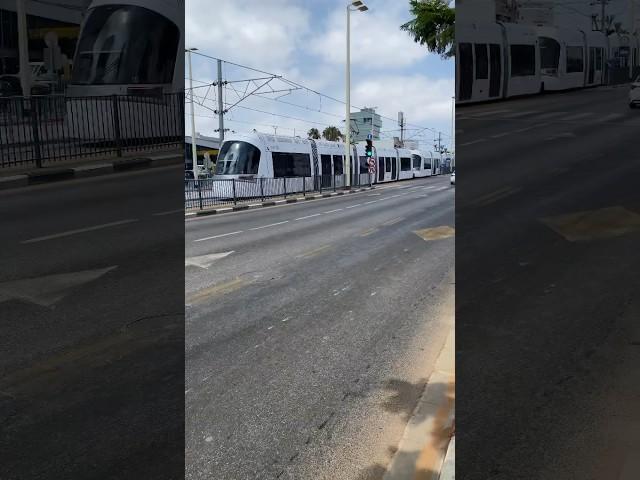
(205,261)
(49,289)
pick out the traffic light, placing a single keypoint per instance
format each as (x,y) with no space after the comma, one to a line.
(369,149)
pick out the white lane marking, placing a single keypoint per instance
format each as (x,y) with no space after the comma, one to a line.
(169,212)
(372,201)
(472,143)
(285,319)
(80,230)
(490,112)
(373,194)
(333,211)
(521,114)
(441,188)
(373,293)
(613,116)
(308,216)
(270,225)
(561,135)
(205,261)
(550,115)
(498,135)
(354,206)
(576,116)
(218,236)
(269,328)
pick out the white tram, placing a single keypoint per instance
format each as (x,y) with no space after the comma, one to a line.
(501,60)
(132,49)
(311,164)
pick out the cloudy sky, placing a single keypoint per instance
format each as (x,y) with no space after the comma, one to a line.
(304,41)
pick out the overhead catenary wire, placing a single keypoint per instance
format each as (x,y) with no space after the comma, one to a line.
(292,83)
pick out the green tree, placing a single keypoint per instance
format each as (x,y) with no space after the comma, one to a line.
(331,133)
(433,25)
(313,133)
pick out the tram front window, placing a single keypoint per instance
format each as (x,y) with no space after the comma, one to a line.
(238,158)
(122,44)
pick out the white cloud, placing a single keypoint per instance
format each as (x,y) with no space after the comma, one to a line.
(376,39)
(424,101)
(258,33)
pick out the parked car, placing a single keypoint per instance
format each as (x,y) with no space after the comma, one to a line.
(453,177)
(634,93)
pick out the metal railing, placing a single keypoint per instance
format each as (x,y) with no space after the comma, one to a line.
(41,130)
(211,192)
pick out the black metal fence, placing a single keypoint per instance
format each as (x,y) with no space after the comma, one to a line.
(212,192)
(41,130)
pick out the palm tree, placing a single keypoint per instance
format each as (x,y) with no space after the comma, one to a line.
(433,25)
(331,133)
(313,133)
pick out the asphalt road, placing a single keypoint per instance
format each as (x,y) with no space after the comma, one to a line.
(311,329)
(92,308)
(548,217)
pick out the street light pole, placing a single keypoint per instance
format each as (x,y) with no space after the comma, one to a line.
(453,116)
(360,6)
(347,123)
(194,154)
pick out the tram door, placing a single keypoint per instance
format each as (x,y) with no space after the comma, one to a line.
(394,169)
(465,71)
(381,169)
(325,161)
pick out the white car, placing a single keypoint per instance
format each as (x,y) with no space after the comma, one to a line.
(634,93)
(453,177)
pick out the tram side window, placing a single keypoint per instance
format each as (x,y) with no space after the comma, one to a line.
(291,164)
(387,164)
(575,60)
(427,163)
(598,58)
(523,60)
(337,165)
(364,167)
(416,161)
(482,61)
(405,164)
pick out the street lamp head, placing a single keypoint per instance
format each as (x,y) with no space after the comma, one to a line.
(192,49)
(363,8)
(357,3)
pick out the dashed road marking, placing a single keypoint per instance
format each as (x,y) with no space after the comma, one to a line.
(392,221)
(308,216)
(218,236)
(270,225)
(333,211)
(80,230)
(353,206)
(471,143)
(205,261)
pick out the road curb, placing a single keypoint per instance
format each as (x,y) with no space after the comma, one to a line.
(273,203)
(56,174)
(422,450)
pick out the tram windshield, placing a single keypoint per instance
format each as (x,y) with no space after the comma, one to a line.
(124,44)
(238,158)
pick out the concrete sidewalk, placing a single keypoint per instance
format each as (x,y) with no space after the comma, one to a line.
(422,450)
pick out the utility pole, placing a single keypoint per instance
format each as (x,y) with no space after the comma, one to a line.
(439,142)
(220,105)
(401,124)
(23,49)
(194,154)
